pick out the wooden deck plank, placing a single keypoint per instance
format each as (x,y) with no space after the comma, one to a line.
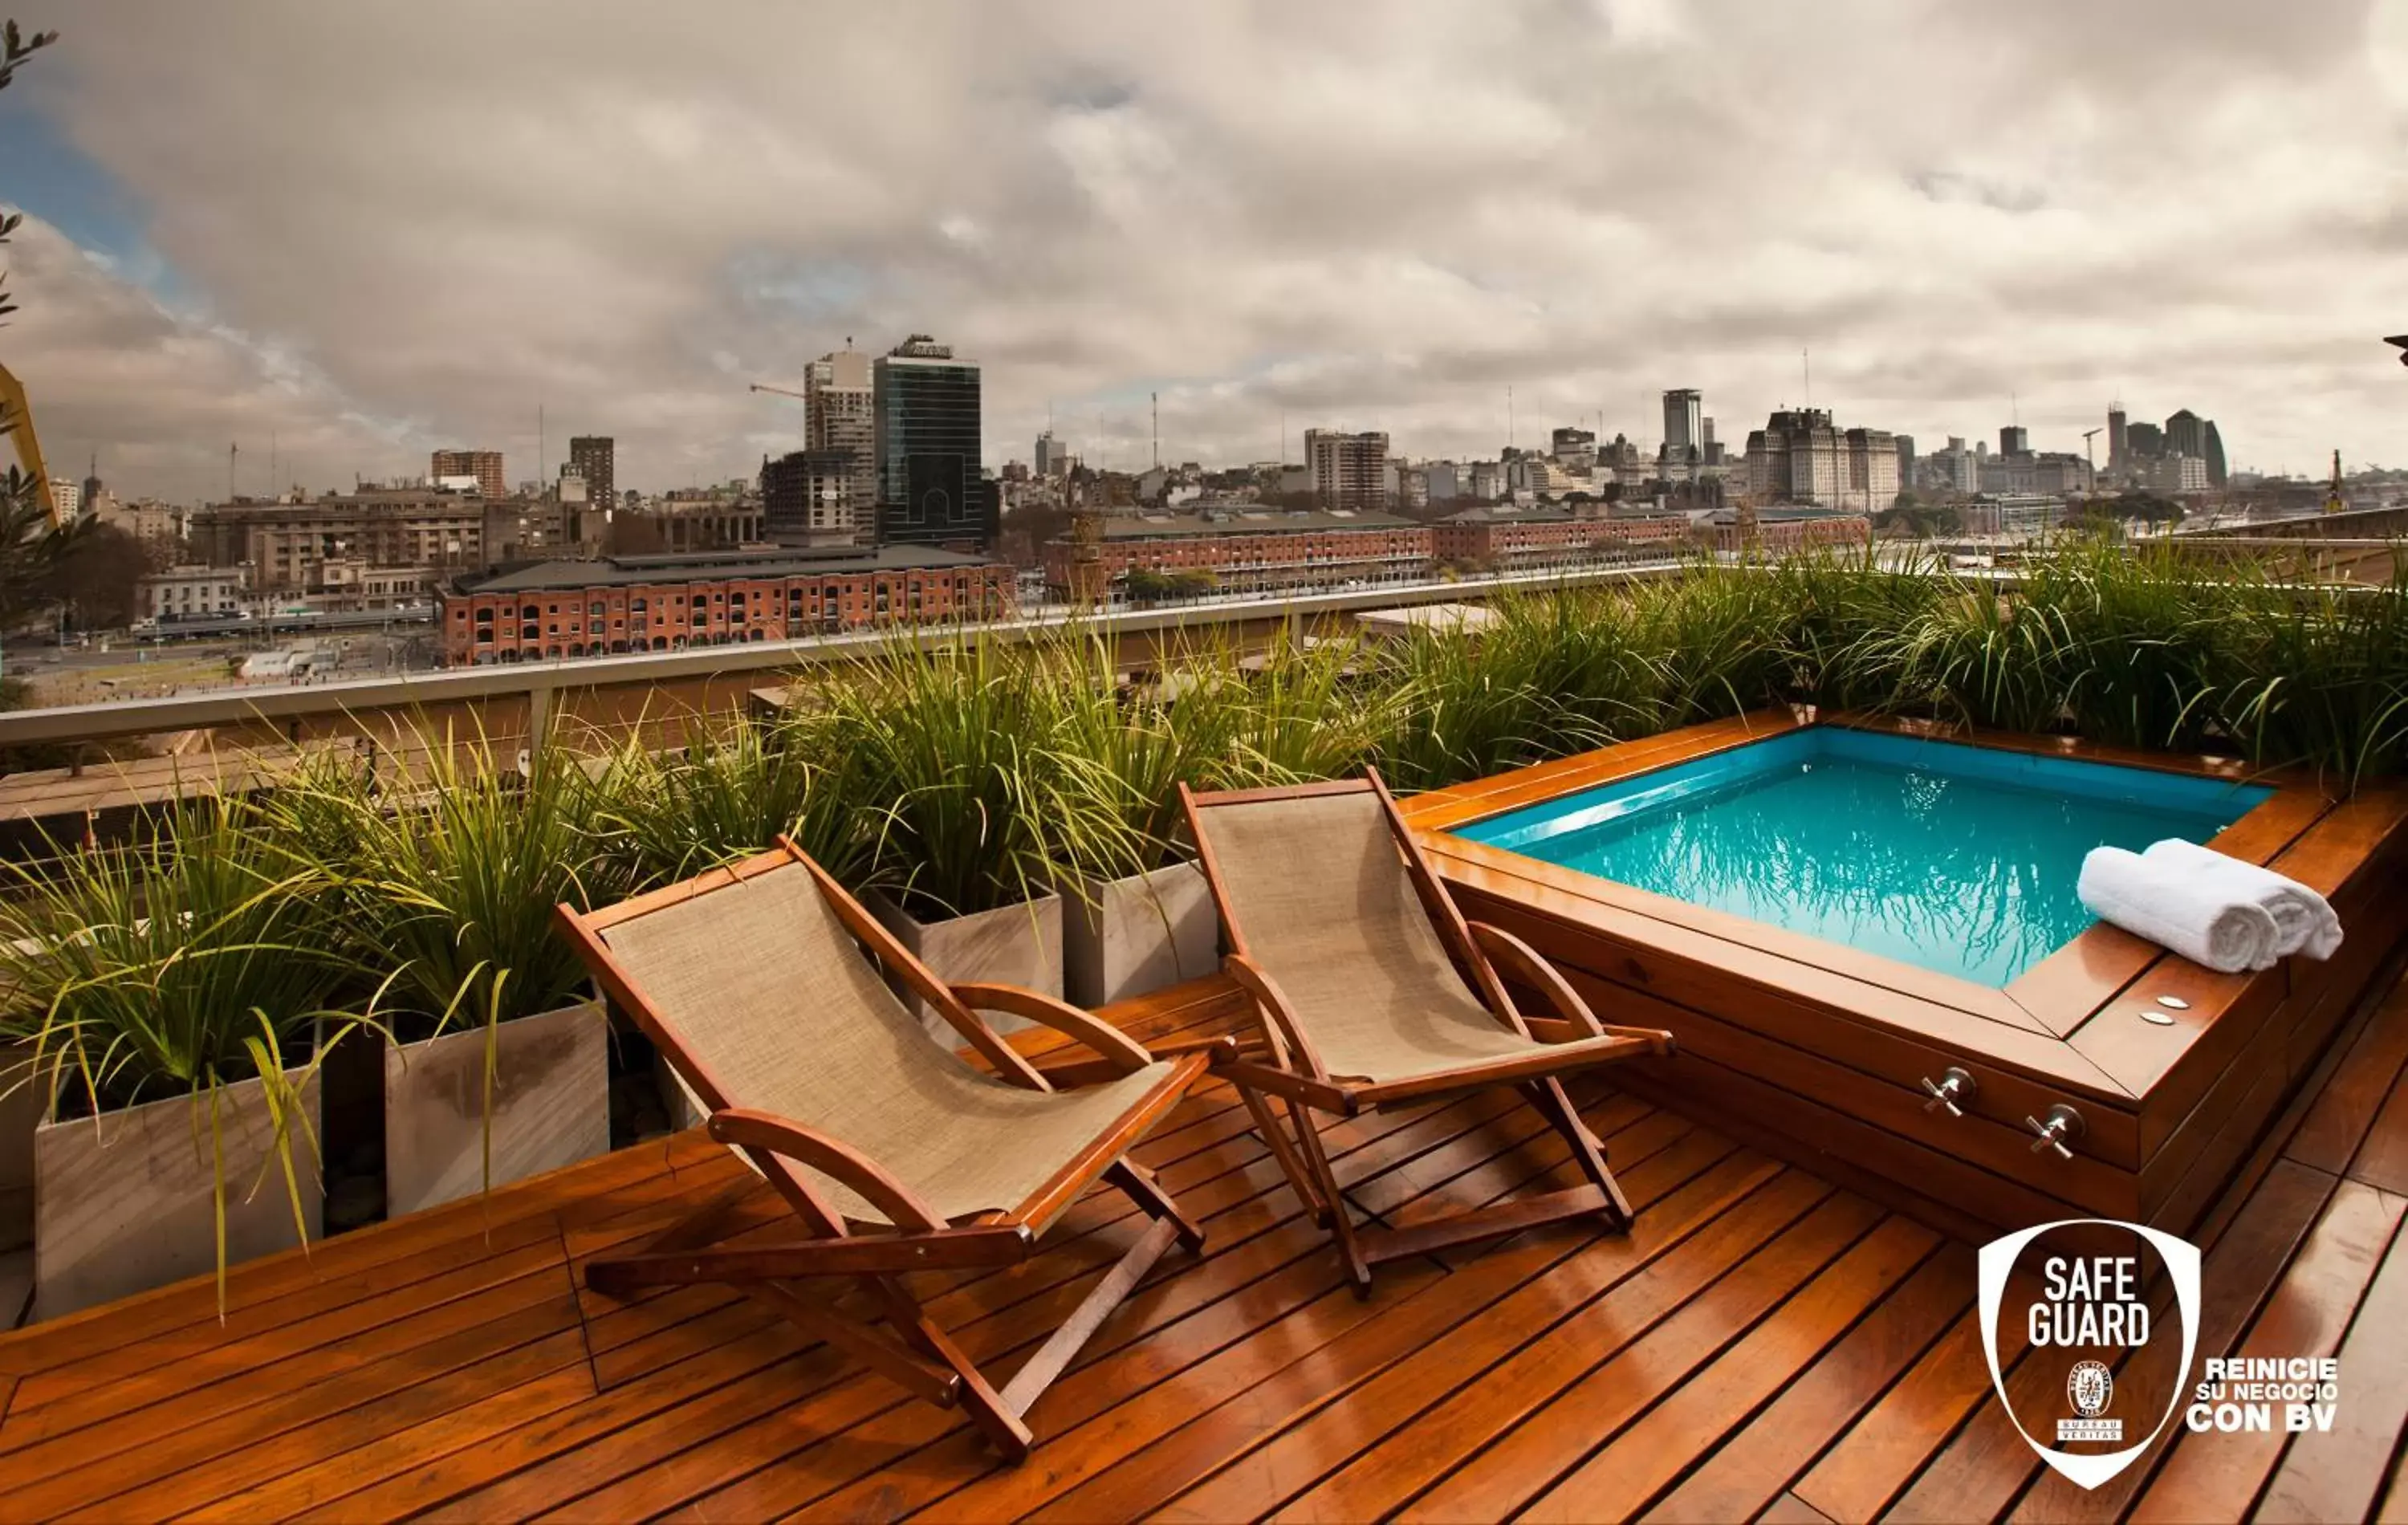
(1618,1481)
(1504,1477)
(2216,1476)
(1254,1235)
(499,1459)
(1738,1481)
(2340,1475)
(1345,1396)
(1764,1344)
(1984,1468)
(1123,1407)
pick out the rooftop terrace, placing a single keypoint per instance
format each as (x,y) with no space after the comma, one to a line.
(1765,1344)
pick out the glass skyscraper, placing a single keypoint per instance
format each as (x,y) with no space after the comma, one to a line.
(929,443)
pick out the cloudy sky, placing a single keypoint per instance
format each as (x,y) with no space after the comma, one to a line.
(369,228)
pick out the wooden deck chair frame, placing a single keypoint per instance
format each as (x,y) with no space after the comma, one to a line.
(1572,1038)
(915,1352)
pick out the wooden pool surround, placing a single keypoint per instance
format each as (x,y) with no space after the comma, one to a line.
(1822,1052)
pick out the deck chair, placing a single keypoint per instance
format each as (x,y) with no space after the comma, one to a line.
(1370,989)
(895,1152)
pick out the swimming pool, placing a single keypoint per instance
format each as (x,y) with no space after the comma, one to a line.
(1955,858)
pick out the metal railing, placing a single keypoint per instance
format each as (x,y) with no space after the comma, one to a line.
(538,683)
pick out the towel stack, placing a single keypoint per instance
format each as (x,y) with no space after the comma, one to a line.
(2211,909)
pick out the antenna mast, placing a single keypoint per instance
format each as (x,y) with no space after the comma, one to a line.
(1156,398)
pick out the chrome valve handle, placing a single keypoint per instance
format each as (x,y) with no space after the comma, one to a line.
(2063,1123)
(1954,1085)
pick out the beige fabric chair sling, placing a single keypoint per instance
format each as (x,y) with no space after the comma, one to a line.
(896,1154)
(1371,989)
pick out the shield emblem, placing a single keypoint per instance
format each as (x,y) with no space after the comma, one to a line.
(1997,1260)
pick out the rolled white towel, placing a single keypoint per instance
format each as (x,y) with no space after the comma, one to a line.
(2304,918)
(2204,919)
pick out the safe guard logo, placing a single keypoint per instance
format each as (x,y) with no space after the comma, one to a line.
(2090,1309)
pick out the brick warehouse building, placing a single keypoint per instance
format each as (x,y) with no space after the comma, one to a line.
(1257,550)
(658,603)
(1506,537)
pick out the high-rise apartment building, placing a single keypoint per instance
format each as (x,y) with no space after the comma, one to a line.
(1052,456)
(839,414)
(2118,444)
(928,440)
(1347,471)
(1684,430)
(594,455)
(807,498)
(483,465)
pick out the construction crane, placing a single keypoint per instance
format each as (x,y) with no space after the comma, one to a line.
(2090,452)
(782,391)
(20,419)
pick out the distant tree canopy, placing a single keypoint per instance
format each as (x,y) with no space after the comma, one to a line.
(1918,520)
(2139,503)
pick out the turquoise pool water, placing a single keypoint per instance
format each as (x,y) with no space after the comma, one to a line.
(1952,857)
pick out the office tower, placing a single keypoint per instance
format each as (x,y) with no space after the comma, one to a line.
(1347,471)
(483,465)
(2144,441)
(807,498)
(1712,448)
(1683,423)
(593,456)
(1906,461)
(2187,434)
(2215,452)
(928,440)
(1052,456)
(2015,439)
(1574,449)
(2119,445)
(840,413)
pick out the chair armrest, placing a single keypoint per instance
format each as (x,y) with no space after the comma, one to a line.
(1502,946)
(1124,1053)
(743,1128)
(1278,1015)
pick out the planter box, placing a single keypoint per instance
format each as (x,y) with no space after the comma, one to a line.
(1125,937)
(1012,945)
(21,1105)
(552,1106)
(122,1202)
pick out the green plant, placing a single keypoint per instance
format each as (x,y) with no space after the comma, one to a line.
(450,885)
(201,957)
(729,793)
(959,747)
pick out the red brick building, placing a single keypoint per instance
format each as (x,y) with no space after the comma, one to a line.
(1506,536)
(1255,550)
(660,603)
(1782,532)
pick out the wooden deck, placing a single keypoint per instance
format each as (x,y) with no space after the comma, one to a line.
(1763,1345)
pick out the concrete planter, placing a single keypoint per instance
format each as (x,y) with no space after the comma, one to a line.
(123,1202)
(1012,945)
(550,1107)
(1125,937)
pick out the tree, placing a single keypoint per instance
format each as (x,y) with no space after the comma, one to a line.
(95,576)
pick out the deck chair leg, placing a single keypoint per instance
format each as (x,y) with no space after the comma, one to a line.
(1308,1138)
(1266,1125)
(978,1398)
(1142,1189)
(1547,1096)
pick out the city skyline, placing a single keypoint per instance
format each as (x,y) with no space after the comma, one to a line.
(1590,205)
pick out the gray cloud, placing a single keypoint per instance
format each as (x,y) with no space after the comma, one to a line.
(408,225)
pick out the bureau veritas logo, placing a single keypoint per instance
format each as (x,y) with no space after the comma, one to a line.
(2107,1315)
